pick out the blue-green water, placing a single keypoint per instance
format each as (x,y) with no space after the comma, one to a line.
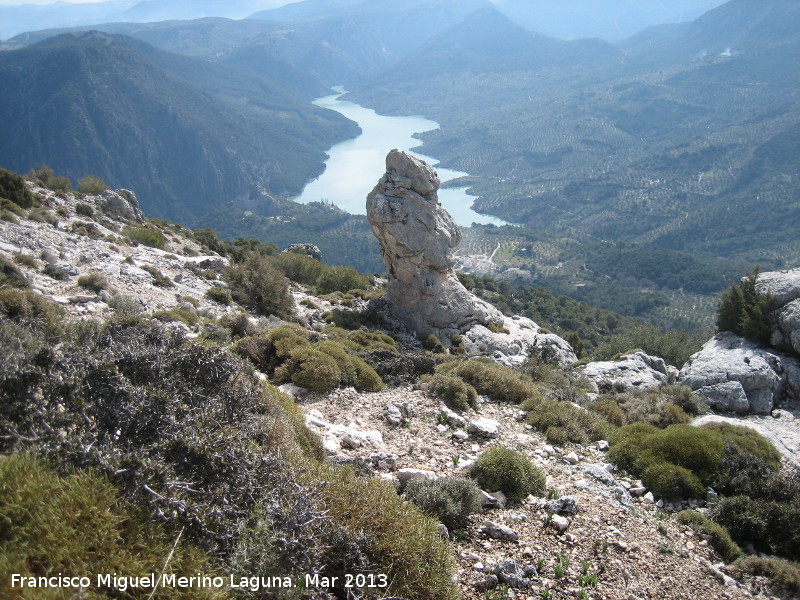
(355,166)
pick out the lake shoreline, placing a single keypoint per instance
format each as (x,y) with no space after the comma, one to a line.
(354,166)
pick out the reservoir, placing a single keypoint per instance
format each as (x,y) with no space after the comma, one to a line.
(355,166)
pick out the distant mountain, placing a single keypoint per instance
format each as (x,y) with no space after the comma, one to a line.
(488,41)
(355,39)
(610,20)
(187,134)
(735,27)
(34,17)
(683,137)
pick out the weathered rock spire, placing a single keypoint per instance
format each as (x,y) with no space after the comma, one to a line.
(417,238)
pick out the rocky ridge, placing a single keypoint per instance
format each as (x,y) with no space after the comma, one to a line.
(602,523)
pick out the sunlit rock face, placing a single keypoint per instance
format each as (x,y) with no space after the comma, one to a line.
(418,238)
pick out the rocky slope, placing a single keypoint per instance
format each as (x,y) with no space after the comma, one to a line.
(608,536)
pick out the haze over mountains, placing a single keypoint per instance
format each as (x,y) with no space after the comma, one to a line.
(609,123)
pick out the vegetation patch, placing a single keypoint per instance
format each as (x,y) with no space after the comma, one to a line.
(744,311)
(146,236)
(178,315)
(563,422)
(449,499)
(11,276)
(77,524)
(675,462)
(720,538)
(159,279)
(13,189)
(784,576)
(510,472)
(500,383)
(93,281)
(219,294)
(453,391)
(256,284)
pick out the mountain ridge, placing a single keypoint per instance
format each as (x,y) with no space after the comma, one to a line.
(187,150)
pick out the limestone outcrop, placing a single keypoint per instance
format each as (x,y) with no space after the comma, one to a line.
(783,288)
(418,238)
(637,371)
(766,377)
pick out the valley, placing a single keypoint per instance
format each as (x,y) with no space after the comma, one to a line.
(678,142)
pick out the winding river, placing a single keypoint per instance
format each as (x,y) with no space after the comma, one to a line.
(354,166)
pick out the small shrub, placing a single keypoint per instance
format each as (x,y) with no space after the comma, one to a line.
(258,285)
(449,499)
(159,279)
(784,576)
(660,407)
(431,343)
(509,471)
(208,239)
(93,281)
(608,408)
(12,187)
(454,392)
(180,315)
(42,215)
(500,383)
(748,442)
(300,267)
(92,184)
(671,481)
(11,276)
(398,538)
(29,308)
(562,422)
(495,328)
(145,236)
(219,294)
(25,260)
(341,279)
(84,210)
(344,318)
(11,207)
(744,311)
(361,340)
(771,526)
(675,462)
(9,217)
(238,323)
(720,538)
(126,307)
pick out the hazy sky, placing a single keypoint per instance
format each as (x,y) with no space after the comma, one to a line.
(9,2)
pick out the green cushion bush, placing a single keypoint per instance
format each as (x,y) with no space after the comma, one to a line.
(671,481)
(145,236)
(748,441)
(12,187)
(508,471)
(720,538)
(449,499)
(500,383)
(563,422)
(454,392)
(78,525)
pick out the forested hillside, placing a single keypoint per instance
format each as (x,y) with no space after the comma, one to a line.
(187,133)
